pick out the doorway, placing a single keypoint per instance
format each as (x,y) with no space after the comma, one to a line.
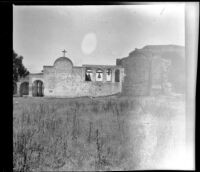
(24,88)
(37,89)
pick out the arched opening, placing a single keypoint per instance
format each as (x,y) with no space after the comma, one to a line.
(14,88)
(88,75)
(108,75)
(24,88)
(99,75)
(117,75)
(37,88)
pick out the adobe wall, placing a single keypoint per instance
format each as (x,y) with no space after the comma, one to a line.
(61,80)
(175,55)
(145,73)
(18,84)
(32,78)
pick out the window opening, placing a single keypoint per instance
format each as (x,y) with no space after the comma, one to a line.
(108,74)
(99,75)
(117,75)
(88,75)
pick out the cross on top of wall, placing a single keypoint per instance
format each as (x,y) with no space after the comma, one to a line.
(64,51)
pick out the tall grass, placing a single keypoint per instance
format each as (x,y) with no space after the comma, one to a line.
(76,134)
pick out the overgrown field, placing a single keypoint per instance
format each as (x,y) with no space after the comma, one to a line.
(86,134)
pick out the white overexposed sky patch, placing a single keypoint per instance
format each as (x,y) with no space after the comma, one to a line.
(93,34)
(89,43)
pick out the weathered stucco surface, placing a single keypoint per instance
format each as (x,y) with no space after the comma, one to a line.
(63,79)
(154,69)
(146,73)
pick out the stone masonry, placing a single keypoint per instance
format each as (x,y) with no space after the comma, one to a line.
(63,79)
(144,72)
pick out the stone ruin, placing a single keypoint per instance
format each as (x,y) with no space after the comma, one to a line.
(146,74)
(63,79)
(151,70)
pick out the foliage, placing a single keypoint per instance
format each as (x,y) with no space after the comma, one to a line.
(19,69)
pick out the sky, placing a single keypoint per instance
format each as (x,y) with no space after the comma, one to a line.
(93,34)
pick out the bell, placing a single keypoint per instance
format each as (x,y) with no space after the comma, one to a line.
(99,76)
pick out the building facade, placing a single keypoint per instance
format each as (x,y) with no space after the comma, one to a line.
(143,72)
(146,73)
(63,79)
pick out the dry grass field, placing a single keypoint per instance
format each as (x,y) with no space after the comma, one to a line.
(83,134)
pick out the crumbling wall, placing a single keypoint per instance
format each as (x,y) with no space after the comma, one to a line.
(20,84)
(32,79)
(136,75)
(176,70)
(160,71)
(145,74)
(69,81)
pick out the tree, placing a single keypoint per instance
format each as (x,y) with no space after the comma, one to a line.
(19,69)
